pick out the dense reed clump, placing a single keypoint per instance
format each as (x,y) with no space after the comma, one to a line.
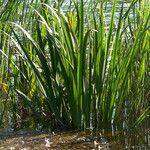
(72,69)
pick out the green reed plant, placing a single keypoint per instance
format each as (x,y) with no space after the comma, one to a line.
(68,70)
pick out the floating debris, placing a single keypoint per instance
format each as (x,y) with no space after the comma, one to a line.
(48,143)
(12,148)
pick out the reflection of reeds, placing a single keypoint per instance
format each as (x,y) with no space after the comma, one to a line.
(78,72)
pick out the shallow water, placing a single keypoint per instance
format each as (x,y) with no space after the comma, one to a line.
(72,140)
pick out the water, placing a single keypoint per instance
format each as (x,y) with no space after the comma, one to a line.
(108,6)
(71,140)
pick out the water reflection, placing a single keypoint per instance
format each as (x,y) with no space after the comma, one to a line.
(66,5)
(138,139)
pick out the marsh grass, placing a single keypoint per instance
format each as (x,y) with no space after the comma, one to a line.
(70,69)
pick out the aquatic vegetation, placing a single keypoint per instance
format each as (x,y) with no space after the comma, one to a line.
(71,69)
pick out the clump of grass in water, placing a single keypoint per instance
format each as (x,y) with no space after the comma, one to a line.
(66,70)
